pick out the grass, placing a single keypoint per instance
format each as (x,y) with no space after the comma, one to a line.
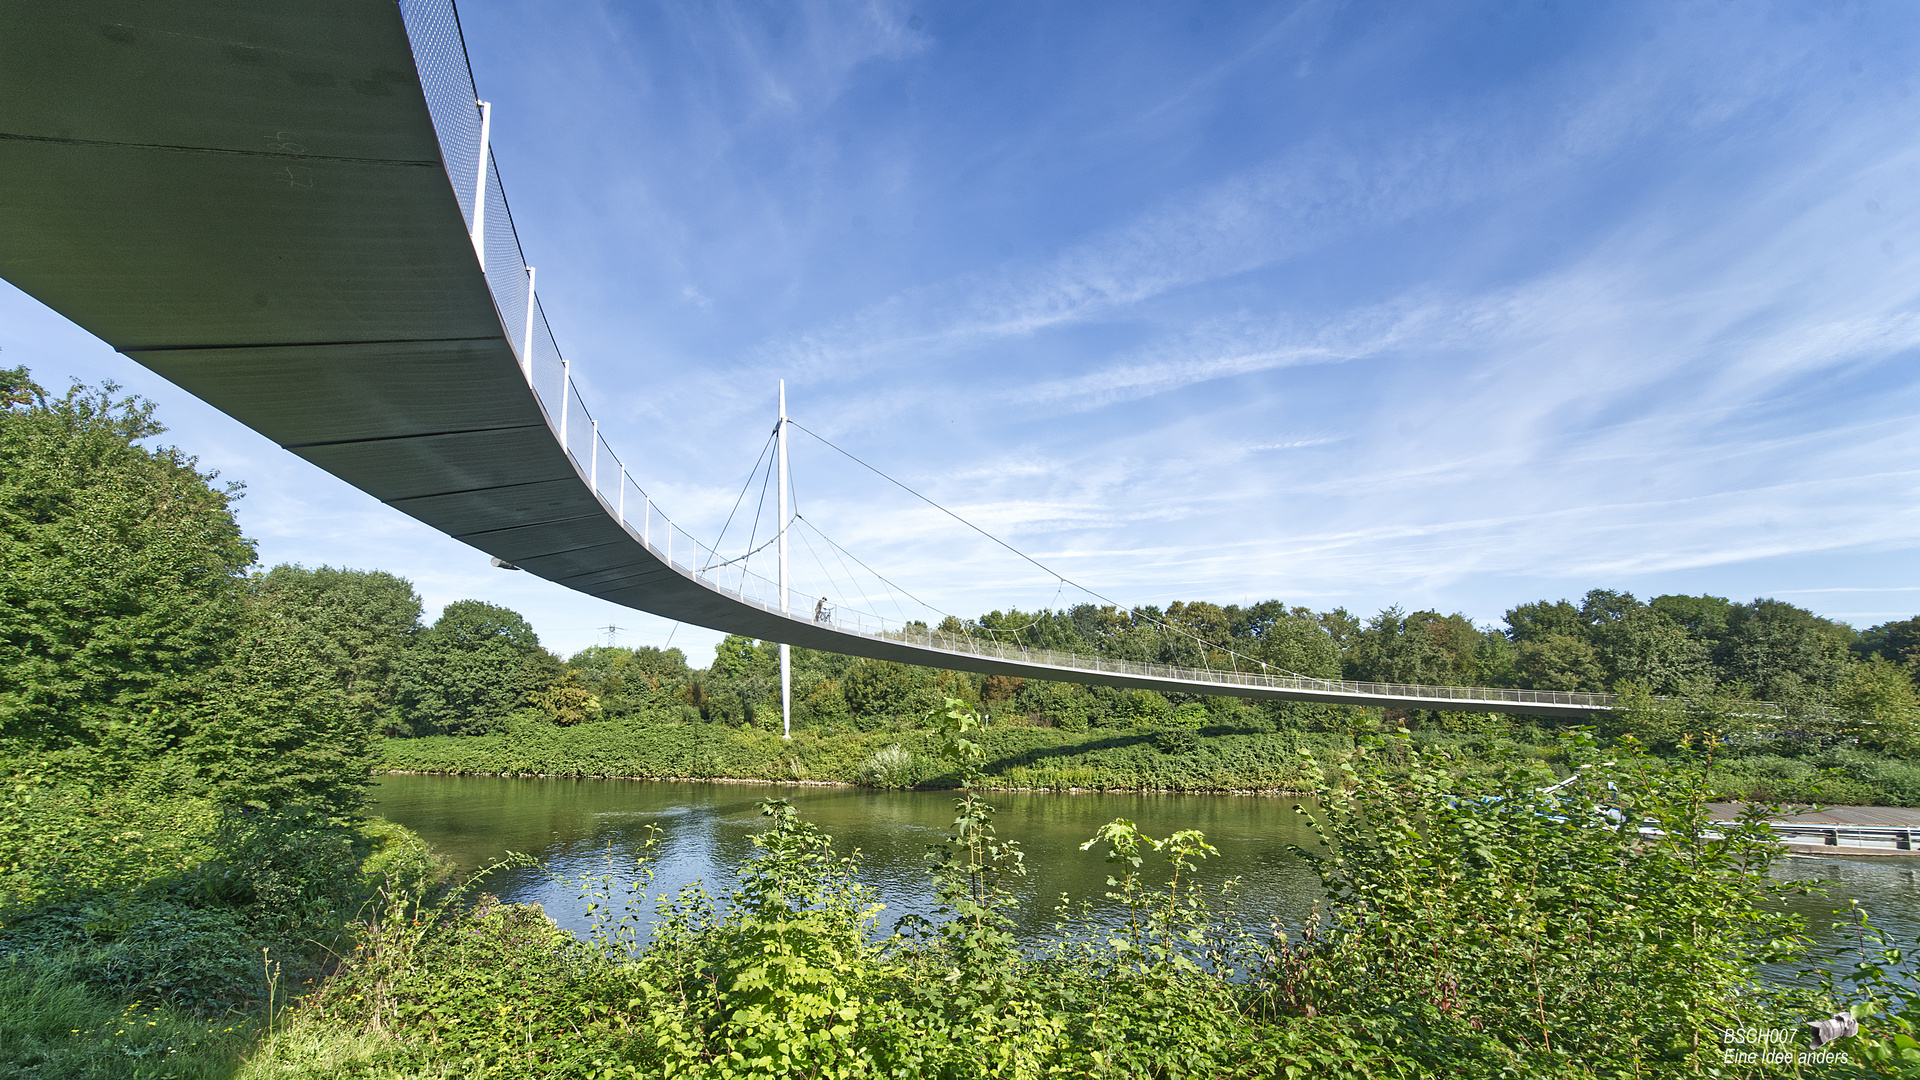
(54,1028)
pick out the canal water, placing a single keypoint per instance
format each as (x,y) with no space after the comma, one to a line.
(578,828)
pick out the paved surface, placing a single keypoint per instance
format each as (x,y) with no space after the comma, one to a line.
(1843,830)
(1899,817)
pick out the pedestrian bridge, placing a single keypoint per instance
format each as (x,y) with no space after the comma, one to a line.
(288,208)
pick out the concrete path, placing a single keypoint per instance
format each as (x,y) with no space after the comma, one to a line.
(1842,830)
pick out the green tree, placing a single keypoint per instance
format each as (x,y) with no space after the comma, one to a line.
(476,664)
(629,681)
(1146,708)
(1703,616)
(1649,648)
(276,729)
(1542,618)
(364,621)
(1296,642)
(1881,707)
(1064,705)
(1898,642)
(876,689)
(1425,648)
(1342,626)
(1785,653)
(739,657)
(1559,662)
(122,590)
(821,703)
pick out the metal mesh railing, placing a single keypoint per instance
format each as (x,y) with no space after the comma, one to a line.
(433,27)
(440,54)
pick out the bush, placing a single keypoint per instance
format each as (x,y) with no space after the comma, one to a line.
(1478,928)
(890,766)
(1018,756)
(1547,924)
(192,936)
(781,977)
(1176,740)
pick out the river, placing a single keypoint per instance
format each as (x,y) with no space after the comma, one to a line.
(581,827)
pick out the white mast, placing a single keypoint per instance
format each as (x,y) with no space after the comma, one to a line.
(786,660)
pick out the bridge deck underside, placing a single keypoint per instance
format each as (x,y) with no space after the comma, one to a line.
(248,198)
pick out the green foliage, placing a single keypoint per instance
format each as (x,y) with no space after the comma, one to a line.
(1650,649)
(1145,708)
(631,682)
(1160,931)
(1784,653)
(362,621)
(1502,914)
(179,908)
(1657,722)
(471,669)
(876,689)
(122,588)
(1705,617)
(52,1027)
(275,728)
(973,871)
(1881,706)
(891,766)
(1559,662)
(783,976)
(1876,983)
(765,982)
(1017,756)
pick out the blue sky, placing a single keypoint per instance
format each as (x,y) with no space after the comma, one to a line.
(1451,306)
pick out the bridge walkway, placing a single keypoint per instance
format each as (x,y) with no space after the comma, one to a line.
(288,209)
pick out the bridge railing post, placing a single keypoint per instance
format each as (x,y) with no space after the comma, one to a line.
(479,234)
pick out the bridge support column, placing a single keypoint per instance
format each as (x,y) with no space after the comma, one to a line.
(786,659)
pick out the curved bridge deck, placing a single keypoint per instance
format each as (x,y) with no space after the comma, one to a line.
(273,205)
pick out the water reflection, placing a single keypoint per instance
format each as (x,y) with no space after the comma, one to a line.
(577,826)
(581,827)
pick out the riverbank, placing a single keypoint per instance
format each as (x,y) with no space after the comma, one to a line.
(1217,760)
(782,976)
(1270,793)
(1017,758)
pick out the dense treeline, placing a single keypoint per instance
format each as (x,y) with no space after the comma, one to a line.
(185,748)
(478,671)
(479,666)
(135,633)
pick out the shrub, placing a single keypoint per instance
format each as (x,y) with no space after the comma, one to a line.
(1602,924)
(888,767)
(1176,740)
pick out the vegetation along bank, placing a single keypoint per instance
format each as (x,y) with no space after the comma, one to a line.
(190,885)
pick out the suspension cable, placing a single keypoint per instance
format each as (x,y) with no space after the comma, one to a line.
(760,506)
(869,569)
(755,471)
(1050,572)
